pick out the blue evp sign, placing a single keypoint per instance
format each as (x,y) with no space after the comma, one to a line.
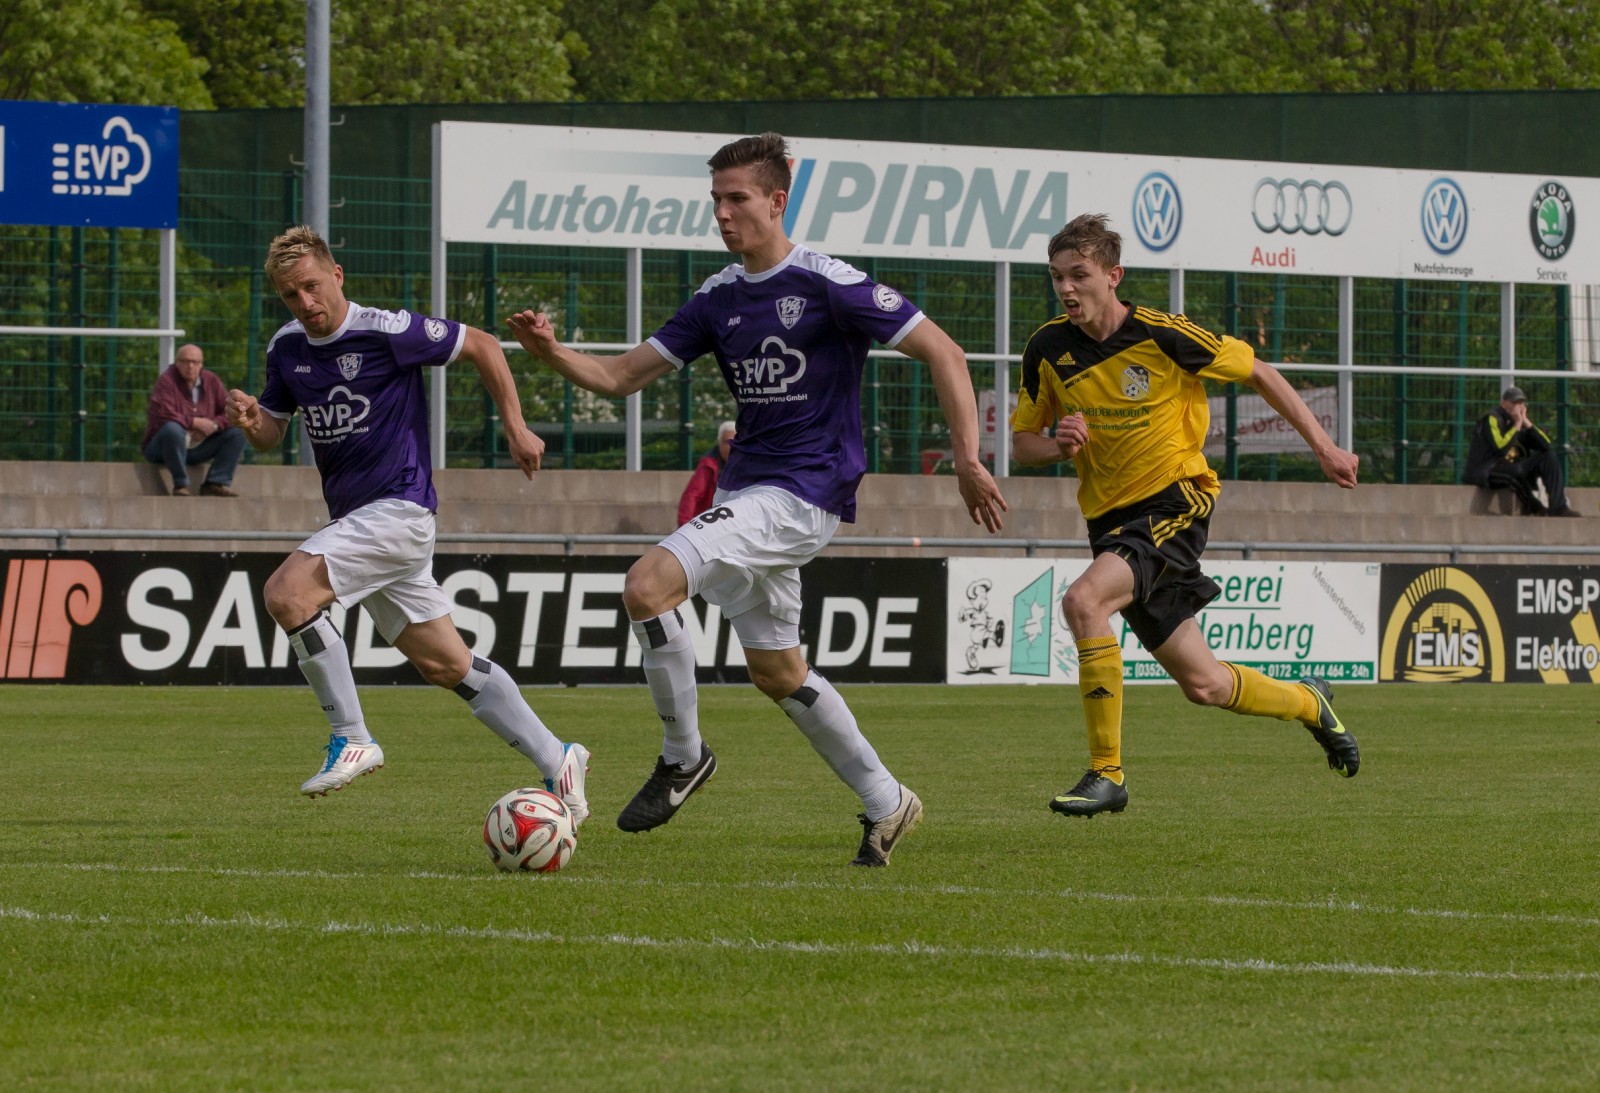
(87,164)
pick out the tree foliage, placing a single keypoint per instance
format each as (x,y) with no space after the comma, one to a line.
(819,49)
(1435,45)
(407,51)
(255,48)
(96,51)
(250,53)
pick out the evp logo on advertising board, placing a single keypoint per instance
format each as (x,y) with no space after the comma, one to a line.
(88,164)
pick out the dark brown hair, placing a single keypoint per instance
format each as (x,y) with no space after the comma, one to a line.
(768,154)
(1088,235)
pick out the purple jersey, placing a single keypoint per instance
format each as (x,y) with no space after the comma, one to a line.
(361,393)
(792,344)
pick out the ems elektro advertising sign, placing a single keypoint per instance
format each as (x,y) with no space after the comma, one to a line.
(557,186)
(1490,624)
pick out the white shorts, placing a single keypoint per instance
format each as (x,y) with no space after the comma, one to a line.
(744,554)
(382,555)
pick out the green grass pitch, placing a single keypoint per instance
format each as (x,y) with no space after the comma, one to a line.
(174,916)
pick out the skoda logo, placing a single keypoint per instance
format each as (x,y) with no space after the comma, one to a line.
(1292,205)
(1157,211)
(1552,220)
(1444,216)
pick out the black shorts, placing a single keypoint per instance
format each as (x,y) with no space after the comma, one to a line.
(1161,538)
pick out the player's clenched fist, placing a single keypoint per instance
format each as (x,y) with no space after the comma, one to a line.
(242,409)
(1072,433)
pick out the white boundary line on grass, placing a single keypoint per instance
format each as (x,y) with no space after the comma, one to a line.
(1332,903)
(822,948)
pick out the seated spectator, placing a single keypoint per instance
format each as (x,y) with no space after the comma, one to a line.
(702,487)
(185,424)
(1510,452)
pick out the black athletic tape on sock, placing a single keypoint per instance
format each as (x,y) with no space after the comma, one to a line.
(464,689)
(806,696)
(655,632)
(309,637)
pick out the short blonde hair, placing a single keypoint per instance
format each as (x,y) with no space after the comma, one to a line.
(286,250)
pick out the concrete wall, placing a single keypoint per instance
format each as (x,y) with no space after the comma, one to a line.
(287,502)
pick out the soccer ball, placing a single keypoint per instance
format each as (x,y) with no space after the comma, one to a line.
(530,829)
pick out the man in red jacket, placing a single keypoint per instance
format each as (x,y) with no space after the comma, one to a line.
(185,424)
(702,487)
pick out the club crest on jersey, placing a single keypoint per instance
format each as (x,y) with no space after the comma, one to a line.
(886,298)
(434,329)
(789,309)
(1136,381)
(349,365)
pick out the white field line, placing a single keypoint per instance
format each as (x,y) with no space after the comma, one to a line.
(1332,903)
(818,948)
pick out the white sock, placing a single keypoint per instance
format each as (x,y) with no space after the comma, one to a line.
(325,662)
(668,658)
(496,700)
(821,713)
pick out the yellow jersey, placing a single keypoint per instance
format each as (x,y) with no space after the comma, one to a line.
(1141,395)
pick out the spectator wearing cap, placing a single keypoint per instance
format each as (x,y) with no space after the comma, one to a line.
(1510,452)
(702,487)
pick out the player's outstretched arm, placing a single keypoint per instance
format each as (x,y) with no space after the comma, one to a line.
(1339,465)
(483,350)
(612,376)
(944,358)
(260,428)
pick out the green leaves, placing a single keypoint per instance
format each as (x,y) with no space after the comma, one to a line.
(96,51)
(250,53)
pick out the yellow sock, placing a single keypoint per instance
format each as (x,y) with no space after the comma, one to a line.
(1258,696)
(1100,683)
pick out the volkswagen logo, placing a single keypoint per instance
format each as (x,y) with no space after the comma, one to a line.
(1552,220)
(1292,205)
(1444,216)
(1157,211)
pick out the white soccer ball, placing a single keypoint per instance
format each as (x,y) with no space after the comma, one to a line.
(531,830)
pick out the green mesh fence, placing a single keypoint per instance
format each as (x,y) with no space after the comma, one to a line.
(84,398)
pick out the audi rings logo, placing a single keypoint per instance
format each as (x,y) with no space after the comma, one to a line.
(1157,211)
(1444,216)
(1292,205)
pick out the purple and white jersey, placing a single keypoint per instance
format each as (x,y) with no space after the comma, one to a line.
(792,343)
(361,392)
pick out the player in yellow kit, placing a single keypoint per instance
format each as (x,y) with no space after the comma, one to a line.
(1119,386)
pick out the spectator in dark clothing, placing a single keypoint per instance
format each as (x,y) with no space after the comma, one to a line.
(185,424)
(702,487)
(1510,452)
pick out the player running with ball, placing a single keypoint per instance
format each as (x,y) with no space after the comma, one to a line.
(356,373)
(790,330)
